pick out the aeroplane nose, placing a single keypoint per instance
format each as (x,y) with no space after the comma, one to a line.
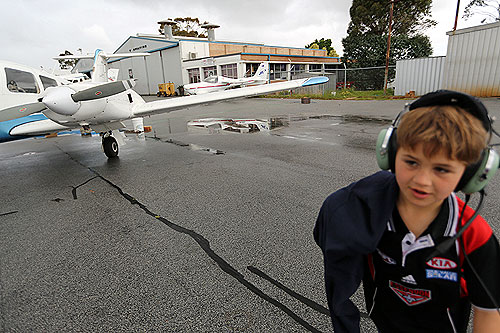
(59,100)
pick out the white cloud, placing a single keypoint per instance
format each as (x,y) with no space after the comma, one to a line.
(34,31)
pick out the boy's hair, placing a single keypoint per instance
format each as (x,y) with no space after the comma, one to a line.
(450,129)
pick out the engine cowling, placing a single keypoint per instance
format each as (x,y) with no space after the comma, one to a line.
(58,100)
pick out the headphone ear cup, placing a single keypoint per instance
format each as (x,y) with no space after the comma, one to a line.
(477,176)
(382,156)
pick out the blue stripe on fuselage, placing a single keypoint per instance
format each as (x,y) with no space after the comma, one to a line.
(7,126)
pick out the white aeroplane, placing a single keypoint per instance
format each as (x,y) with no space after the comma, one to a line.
(74,77)
(218,83)
(98,105)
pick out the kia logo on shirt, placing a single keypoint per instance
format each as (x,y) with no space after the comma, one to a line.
(441,263)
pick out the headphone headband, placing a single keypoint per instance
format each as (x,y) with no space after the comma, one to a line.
(469,103)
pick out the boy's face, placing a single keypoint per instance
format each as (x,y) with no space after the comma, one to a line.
(424,181)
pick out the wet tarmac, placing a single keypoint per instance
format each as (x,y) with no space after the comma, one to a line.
(191,229)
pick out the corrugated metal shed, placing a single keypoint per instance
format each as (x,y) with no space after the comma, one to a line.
(473,60)
(421,75)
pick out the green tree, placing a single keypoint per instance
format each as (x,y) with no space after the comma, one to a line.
(188,27)
(323,44)
(372,16)
(366,42)
(490,9)
(66,63)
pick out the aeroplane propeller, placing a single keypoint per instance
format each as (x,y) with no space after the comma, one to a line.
(19,111)
(103,90)
(65,100)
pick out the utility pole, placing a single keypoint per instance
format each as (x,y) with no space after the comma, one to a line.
(456,16)
(388,47)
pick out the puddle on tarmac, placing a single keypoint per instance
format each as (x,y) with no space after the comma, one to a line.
(217,125)
(195,147)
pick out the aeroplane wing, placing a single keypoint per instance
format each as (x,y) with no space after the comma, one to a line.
(34,124)
(114,55)
(39,127)
(155,107)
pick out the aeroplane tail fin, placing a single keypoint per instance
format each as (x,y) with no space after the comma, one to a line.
(262,71)
(113,74)
(99,71)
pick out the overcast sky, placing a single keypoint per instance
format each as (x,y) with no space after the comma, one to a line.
(34,31)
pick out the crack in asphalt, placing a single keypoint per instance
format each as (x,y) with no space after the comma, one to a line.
(8,213)
(310,303)
(73,191)
(205,246)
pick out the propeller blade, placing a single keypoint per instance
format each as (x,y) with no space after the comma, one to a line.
(103,90)
(22,110)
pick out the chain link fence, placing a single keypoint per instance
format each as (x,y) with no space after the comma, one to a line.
(368,78)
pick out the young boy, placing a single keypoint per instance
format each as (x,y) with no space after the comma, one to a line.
(388,229)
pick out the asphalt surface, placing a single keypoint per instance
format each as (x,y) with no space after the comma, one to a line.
(190,229)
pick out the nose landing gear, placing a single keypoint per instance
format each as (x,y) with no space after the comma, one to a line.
(109,145)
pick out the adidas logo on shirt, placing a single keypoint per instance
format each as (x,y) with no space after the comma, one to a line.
(409,279)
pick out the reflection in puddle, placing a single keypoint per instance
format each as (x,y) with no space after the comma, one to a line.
(354,119)
(216,125)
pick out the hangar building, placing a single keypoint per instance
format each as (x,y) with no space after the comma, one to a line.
(184,60)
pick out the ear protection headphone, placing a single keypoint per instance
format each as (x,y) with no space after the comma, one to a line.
(476,175)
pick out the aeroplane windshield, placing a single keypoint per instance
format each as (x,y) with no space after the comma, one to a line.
(21,81)
(48,82)
(211,79)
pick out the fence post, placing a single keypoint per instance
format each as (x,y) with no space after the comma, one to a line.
(345,77)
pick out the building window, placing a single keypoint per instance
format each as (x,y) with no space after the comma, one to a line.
(331,68)
(48,82)
(194,75)
(296,68)
(20,81)
(229,71)
(251,69)
(278,71)
(209,71)
(315,68)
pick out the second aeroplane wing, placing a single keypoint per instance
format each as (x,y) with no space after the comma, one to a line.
(38,127)
(187,101)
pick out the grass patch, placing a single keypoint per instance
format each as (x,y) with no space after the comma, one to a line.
(342,94)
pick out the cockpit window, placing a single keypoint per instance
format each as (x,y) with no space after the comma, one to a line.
(48,82)
(20,81)
(211,79)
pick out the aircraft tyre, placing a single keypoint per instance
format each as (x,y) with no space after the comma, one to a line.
(110,146)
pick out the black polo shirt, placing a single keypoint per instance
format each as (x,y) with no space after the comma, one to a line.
(406,293)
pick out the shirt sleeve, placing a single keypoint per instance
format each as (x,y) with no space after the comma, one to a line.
(342,276)
(485,261)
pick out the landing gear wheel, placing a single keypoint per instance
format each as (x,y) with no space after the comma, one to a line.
(110,146)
